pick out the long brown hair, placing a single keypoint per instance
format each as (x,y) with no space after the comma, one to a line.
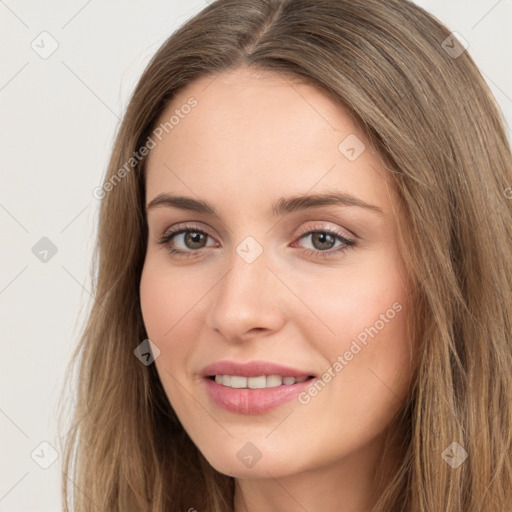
(438,128)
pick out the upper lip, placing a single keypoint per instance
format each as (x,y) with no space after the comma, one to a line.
(252,369)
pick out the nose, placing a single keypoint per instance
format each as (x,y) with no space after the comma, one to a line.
(250,300)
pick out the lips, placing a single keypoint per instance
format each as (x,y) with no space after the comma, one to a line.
(253,401)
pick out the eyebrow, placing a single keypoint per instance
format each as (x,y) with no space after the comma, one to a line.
(282,206)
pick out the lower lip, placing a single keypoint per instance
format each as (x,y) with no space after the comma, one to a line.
(253,401)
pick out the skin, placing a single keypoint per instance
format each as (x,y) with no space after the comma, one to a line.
(251,139)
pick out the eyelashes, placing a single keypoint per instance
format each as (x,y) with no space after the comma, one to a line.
(167,238)
(195,235)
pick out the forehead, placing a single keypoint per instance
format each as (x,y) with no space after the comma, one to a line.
(231,101)
(256,133)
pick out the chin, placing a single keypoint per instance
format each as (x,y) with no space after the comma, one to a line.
(242,459)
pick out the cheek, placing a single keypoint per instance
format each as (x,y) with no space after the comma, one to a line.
(155,302)
(367,344)
(166,306)
(173,313)
(360,302)
(166,298)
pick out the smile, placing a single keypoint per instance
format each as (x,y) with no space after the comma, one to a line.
(238,397)
(260,382)
(253,387)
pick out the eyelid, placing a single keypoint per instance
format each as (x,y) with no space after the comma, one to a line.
(348,242)
(302,231)
(186,226)
(323,227)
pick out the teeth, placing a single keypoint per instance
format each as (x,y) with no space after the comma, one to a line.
(270,381)
(257,382)
(238,382)
(274,380)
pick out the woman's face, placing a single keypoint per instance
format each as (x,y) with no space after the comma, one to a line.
(286,273)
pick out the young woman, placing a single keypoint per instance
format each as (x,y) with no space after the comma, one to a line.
(304,276)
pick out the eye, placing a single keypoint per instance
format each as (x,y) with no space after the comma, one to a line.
(194,239)
(192,236)
(323,240)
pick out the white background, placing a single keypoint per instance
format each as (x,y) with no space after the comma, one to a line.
(58,117)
